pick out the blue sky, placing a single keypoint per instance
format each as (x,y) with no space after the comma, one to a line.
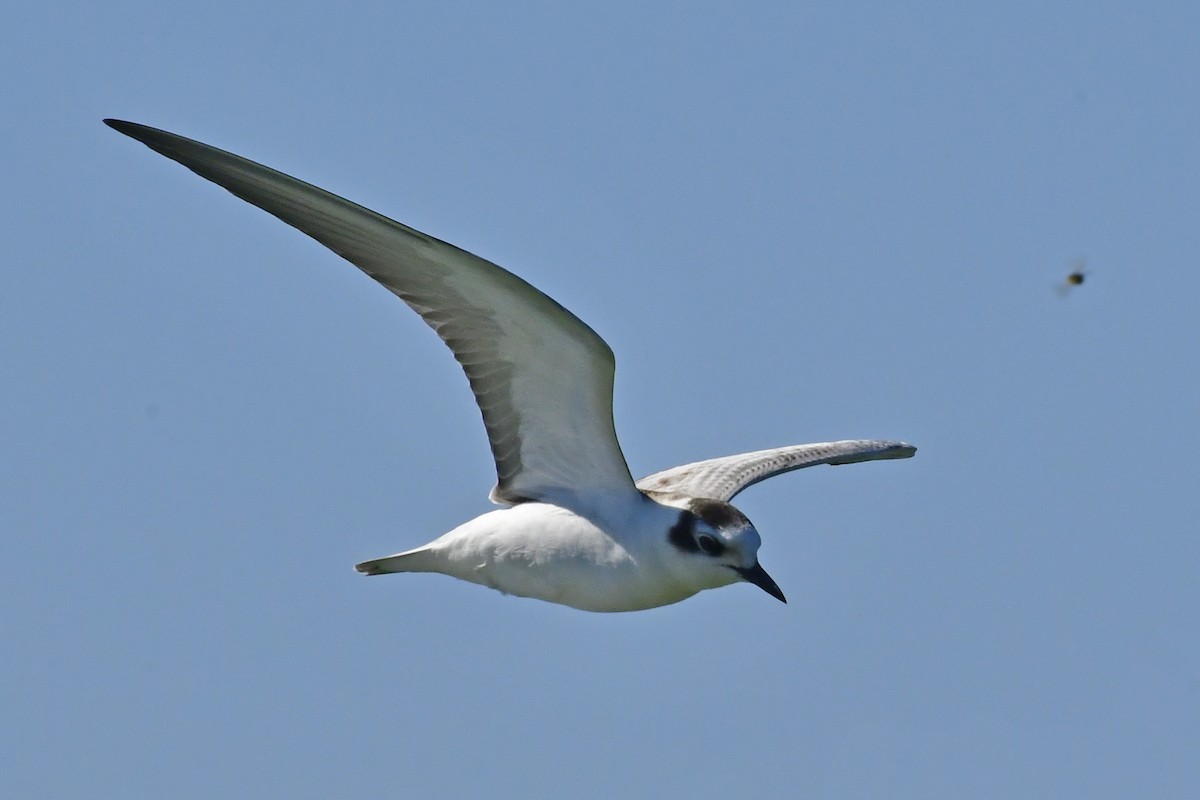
(792,222)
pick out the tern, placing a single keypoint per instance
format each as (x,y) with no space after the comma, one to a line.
(574,527)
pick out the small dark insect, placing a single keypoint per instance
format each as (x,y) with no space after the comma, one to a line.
(1074,279)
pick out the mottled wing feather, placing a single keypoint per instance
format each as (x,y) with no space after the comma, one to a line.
(722,478)
(542,378)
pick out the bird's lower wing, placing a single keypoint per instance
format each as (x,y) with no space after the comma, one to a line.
(722,478)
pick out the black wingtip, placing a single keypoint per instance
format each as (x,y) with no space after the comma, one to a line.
(169,144)
(130,128)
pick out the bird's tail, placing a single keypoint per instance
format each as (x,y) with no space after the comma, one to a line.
(419,560)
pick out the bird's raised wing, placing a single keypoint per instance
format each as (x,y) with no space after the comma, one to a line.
(722,478)
(542,378)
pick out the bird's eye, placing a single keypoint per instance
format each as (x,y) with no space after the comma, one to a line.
(709,544)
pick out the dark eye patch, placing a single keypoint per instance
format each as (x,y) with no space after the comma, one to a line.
(680,534)
(683,536)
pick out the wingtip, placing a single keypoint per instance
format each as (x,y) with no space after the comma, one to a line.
(894,450)
(875,450)
(132,129)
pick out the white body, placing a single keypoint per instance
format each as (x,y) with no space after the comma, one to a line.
(551,553)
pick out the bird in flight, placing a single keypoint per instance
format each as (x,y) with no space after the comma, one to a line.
(574,527)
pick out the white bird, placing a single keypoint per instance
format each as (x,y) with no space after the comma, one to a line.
(576,529)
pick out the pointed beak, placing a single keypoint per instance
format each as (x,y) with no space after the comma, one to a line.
(759,577)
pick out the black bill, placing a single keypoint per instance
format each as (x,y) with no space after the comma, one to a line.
(759,577)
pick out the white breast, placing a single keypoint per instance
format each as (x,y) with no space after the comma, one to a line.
(549,553)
